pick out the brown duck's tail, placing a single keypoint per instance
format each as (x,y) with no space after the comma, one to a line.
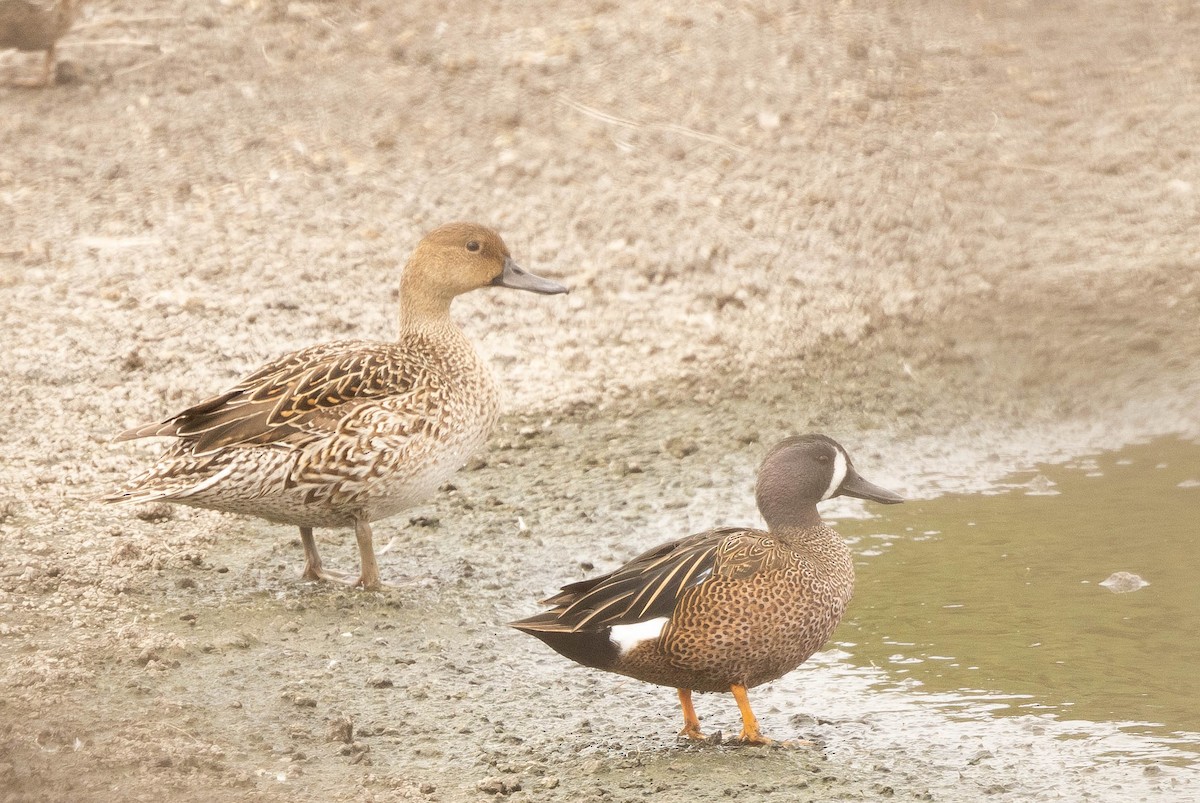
(591,648)
(172,483)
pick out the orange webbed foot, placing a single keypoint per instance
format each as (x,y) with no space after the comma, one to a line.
(691,722)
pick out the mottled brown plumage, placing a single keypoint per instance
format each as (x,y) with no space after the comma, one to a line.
(726,609)
(29,26)
(343,434)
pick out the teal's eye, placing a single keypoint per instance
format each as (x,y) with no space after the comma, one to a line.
(473,246)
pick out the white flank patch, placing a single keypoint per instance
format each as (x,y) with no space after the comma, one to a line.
(839,474)
(626,637)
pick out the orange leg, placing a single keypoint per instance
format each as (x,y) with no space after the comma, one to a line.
(750,733)
(691,722)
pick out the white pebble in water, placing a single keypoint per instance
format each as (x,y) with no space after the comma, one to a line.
(1124,582)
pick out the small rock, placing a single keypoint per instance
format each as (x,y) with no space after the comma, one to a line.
(680,447)
(747,437)
(768,120)
(156,513)
(341,730)
(1124,582)
(980,756)
(1041,485)
(623,468)
(67,72)
(304,702)
(499,786)
(381,683)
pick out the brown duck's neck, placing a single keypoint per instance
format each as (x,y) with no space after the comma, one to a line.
(417,317)
(437,331)
(420,309)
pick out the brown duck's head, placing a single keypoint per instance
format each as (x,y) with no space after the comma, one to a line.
(460,257)
(803,470)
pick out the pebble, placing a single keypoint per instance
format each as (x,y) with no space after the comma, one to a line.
(622,468)
(1124,582)
(341,730)
(679,447)
(499,786)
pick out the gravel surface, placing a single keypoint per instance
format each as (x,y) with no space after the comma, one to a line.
(960,238)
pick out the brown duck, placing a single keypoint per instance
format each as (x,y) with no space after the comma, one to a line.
(346,433)
(29,26)
(730,608)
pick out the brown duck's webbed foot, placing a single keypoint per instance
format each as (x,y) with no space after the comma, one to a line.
(368,579)
(691,722)
(328,576)
(313,570)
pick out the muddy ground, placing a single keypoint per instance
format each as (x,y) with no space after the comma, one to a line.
(958,237)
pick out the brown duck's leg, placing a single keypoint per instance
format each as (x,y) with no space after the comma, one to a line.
(47,64)
(312,561)
(691,722)
(369,578)
(750,733)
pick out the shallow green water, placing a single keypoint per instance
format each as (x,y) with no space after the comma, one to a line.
(1000,592)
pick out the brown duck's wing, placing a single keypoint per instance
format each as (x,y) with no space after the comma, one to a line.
(652,584)
(291,396)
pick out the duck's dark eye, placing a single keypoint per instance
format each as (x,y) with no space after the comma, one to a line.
(473,246)
(823,458)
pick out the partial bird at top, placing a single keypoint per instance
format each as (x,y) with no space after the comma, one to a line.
(30,26)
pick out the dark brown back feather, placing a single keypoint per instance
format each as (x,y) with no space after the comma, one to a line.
(647,587)
(289,396)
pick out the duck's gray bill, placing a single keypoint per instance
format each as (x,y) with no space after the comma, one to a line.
(518,278)
(854,485)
